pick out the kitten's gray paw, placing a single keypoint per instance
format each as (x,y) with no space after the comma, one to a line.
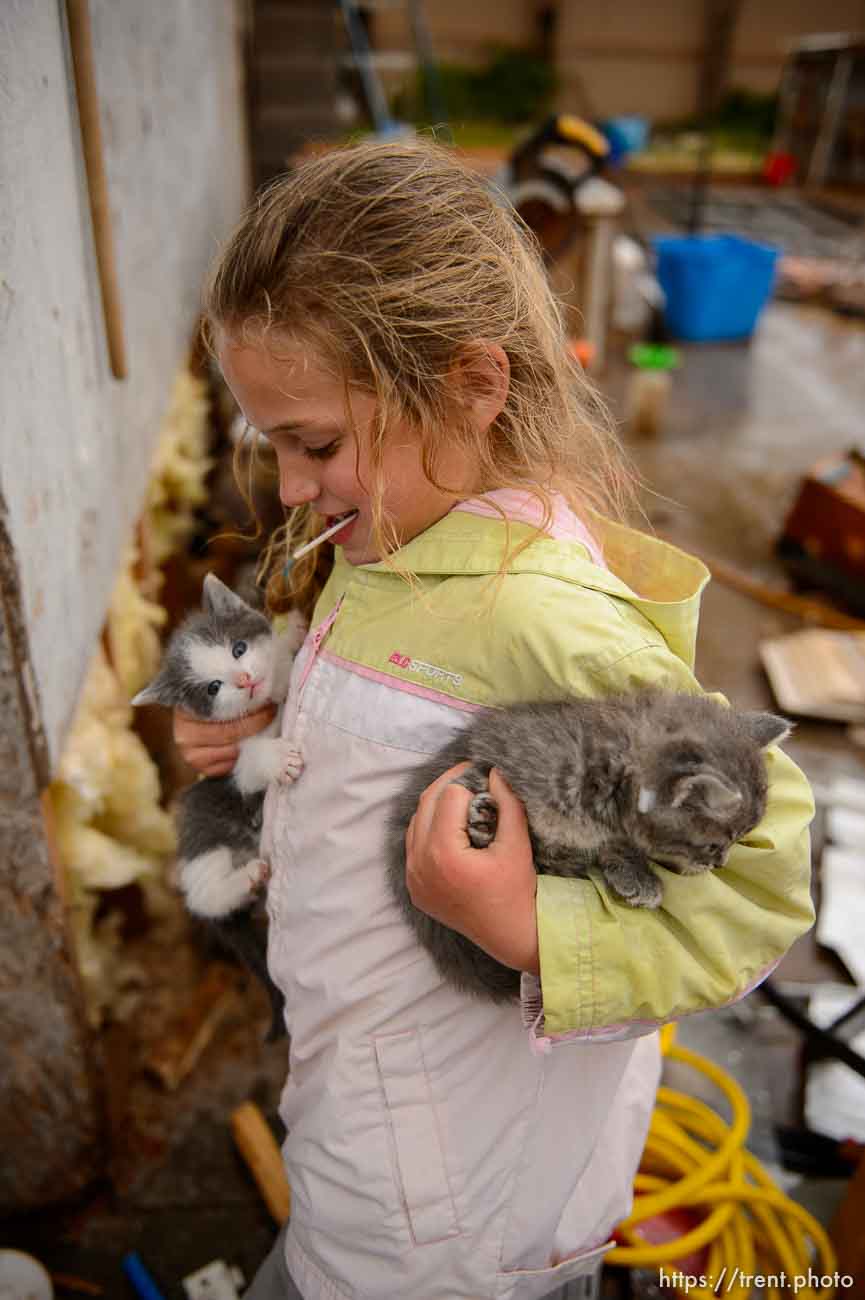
(483,820)
(692,868)
(638,887)
(290,763)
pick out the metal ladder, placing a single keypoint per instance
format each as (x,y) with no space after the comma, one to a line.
(364,60)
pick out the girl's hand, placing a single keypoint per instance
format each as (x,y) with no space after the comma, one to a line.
(212,747)
(486,894)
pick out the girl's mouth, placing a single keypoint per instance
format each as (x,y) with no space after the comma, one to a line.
(335,532)
(342,534)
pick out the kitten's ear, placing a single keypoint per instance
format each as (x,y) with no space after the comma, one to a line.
(219,599)
(717,796)
(766,728)
(154,692)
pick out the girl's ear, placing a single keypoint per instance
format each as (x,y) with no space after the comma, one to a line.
(481,374)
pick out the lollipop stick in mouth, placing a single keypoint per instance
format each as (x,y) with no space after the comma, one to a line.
(322,537)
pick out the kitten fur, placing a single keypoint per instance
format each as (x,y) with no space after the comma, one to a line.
(611,784)
(221,663)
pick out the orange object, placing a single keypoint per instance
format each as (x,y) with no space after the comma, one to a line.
(828,517)
(669,1226)
(258,1147)
(582,350)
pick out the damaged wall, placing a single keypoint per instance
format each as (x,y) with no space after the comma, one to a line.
(50,1122)
(77,444)
(75,455)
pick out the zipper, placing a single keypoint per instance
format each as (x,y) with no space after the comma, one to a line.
(318,637)
(297,728)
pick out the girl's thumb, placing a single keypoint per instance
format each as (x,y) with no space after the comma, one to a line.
(512,814)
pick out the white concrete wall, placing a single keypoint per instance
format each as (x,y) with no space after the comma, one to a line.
(76,444)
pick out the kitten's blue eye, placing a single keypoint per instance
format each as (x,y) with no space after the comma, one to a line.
(213,688)
(239,649)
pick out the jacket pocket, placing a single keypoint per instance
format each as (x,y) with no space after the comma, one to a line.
(417,1147)
(532,1283)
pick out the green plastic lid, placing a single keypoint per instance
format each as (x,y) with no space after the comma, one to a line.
(654,356)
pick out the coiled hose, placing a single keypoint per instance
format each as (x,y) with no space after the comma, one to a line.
(693,1159)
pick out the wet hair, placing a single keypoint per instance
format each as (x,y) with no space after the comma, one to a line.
(393,260)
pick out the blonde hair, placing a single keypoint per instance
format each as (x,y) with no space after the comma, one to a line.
(393,260)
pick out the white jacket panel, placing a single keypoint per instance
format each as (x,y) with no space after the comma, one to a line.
(431,1154)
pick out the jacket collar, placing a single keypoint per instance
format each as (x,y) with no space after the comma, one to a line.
(662,582)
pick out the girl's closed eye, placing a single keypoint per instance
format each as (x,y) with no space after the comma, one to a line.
(322,453)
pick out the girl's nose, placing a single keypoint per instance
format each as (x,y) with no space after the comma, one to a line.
(296,486)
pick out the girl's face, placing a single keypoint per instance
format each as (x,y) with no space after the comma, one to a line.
(299,407)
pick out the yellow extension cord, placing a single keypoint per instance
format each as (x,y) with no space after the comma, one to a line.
(753,1231)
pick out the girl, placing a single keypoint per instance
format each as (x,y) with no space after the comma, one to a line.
(384,323)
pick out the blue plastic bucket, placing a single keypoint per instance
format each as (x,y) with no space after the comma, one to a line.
(715,285)
(626,135)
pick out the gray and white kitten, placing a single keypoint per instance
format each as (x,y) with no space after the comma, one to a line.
(612,784)
(221,663)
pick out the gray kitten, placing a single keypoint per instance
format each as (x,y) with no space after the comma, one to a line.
(611,784)
(220,664)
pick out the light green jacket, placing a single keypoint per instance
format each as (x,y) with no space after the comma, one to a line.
(558,623)
(430,1152)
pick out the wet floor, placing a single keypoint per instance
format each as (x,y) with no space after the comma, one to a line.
(743,423)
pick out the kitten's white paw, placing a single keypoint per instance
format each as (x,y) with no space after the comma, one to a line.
(257,873)
(213,887)
(290,763)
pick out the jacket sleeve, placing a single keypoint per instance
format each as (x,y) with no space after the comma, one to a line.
(611,971)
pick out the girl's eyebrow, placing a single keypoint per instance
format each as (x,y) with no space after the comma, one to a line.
(300,426)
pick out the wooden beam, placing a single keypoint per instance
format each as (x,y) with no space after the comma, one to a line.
(84,68)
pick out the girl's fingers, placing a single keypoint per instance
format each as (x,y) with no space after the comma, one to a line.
(217,769)
(443,810)
(214,760)
(451,814)
(512,813)
(432,792)
(190,732)
(429,800)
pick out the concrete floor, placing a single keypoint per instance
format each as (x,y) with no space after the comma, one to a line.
(744,422)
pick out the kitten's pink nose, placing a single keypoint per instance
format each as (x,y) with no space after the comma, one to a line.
(246,681)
